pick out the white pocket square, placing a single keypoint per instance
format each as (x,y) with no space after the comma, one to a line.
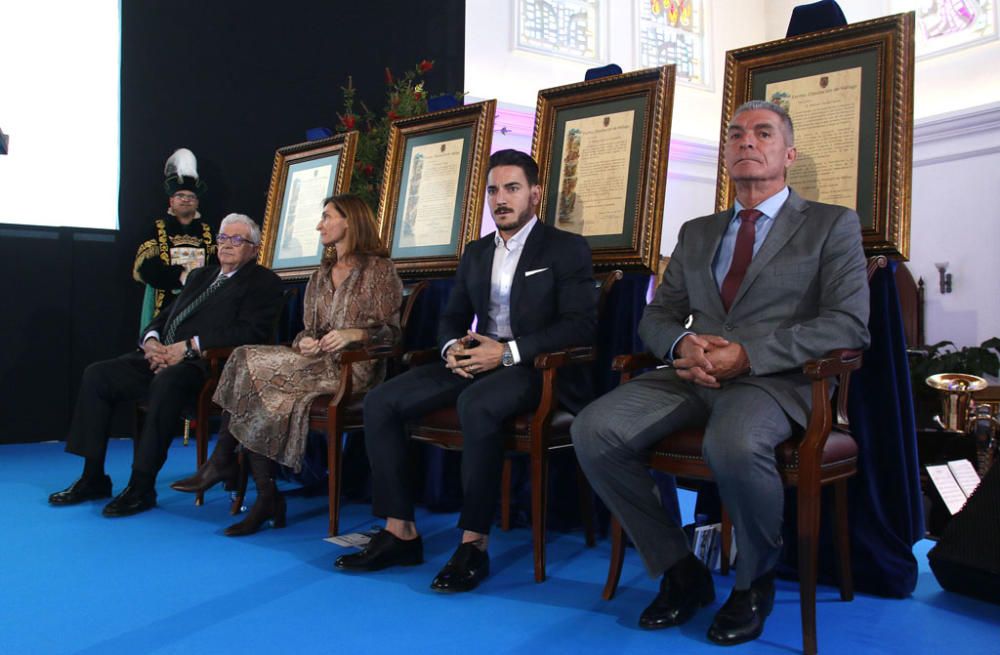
(537,270)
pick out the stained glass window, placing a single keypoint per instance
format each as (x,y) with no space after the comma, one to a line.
(566,28)
(946,25)
(674,32)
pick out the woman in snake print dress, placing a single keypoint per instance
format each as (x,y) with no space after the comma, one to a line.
(266,391)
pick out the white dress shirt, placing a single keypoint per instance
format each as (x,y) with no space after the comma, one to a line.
(506,255)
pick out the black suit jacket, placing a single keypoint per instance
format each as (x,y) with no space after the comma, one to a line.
(553,301)
(242,312)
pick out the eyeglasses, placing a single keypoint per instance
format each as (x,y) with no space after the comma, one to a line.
(236,240)
(186,197)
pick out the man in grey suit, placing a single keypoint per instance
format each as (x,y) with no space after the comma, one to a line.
(749,296)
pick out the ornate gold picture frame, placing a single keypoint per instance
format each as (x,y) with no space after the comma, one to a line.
(849,91)
(602,148)
(303,175)
(433,187)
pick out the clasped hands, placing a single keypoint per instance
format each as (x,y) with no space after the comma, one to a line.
(708,360)
(331,342)
(160,356)
(473,354)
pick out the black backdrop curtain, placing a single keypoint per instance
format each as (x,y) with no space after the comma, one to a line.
(233,81)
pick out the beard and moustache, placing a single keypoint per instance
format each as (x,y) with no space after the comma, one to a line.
(503,212)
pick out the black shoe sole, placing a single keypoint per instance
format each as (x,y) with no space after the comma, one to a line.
(78,501)
(372,569)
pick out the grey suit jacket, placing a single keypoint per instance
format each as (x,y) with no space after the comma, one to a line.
(805,293)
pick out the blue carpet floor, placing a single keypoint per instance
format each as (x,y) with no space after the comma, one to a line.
(167,581)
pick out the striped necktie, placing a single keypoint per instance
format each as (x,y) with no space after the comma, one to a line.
(191,308)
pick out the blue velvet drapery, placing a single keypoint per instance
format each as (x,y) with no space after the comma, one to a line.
(884,499)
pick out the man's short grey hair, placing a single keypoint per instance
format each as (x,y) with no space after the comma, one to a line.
(786,120)
(243,219)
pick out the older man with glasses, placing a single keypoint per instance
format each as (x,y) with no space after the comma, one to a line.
(179,242)
(231,304)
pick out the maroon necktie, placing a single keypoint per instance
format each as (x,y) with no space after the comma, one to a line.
(742,254)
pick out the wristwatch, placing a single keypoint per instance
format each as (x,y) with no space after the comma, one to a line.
(507,359)
(190,353)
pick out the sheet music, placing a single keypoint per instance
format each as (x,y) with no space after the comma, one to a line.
(947,486)
(965,475)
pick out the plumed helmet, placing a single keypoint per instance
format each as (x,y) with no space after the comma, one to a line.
(181,171)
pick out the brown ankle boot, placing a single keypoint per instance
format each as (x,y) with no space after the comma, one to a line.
(270,504)
(220,467)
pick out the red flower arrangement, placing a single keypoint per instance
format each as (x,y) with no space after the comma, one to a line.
(405,97)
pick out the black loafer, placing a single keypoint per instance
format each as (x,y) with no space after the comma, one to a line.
(742,617)
(83,490)
(384,550)
(129,502)
(685,587)
(464,571)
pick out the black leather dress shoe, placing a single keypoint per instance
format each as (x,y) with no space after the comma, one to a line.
(82,490)
(464,571)
(685,587)
(742,617)
(129,502)
(206,477)
(384,550)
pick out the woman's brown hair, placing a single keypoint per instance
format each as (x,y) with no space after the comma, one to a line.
(362,238)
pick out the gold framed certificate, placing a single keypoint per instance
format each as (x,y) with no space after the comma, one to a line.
(303,175)
(431,201)
(602,149)
(849,91)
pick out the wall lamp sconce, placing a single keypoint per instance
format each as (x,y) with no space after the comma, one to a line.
(944,277)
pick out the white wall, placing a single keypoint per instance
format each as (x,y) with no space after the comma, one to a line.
(493,69)
(942,84)
(956,219)
(956,174)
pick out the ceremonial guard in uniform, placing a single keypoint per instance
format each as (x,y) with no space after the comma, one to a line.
(178,242)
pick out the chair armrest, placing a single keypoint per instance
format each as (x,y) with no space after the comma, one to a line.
(629,365)
(836,362)
(561,358)
(216,360)
(824,415)
(635,362)
(218,354)
(366,353)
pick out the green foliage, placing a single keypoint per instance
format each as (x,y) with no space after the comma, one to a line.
(405,97)
(944,357)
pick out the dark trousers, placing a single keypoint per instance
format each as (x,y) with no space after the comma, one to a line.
(613,435)
(124,379)
(483,404)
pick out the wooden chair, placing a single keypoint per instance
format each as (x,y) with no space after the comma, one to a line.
(341,412)
(536,433)
(911,306)
(825,454)
(204,408)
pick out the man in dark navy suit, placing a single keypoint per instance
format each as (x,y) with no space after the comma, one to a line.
(531,288)
(232,304)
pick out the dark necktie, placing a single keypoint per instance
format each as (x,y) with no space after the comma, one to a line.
(742,254)
(192,307)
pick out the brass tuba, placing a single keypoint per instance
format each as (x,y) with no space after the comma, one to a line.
(956,398)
